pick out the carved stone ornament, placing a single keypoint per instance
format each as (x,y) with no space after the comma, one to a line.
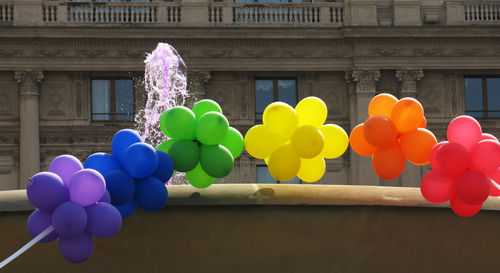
(365,79)
(29,82)
(409,75)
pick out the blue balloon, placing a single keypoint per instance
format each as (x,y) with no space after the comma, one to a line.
(122,140)
(102,162)
(140,160)
(150,194)
(127,209)
(121,187)
(165,167)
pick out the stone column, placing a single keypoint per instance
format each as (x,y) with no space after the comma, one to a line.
(29,139)
(197,83)
(362,90)
(408,88)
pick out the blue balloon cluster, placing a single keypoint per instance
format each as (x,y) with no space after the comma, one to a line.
(74,201)
(135,173)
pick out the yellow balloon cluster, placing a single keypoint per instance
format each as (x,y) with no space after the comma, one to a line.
(294,142)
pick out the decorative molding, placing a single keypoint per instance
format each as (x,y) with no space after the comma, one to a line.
(29,82)
(408,78)
(9,139)
(365,79)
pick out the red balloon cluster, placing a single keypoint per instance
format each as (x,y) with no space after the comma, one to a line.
(465,169)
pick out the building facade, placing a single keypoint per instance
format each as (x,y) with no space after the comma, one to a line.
(70,71)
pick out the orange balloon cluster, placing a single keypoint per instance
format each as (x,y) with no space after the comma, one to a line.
(395,131)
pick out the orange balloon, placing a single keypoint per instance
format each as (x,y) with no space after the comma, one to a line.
(359,143)
(407,114)
(423,124)
(379,131)
(417,145)
(388,163)
(382,104)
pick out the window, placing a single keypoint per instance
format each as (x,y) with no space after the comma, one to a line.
(482,97)
(268,90)
(264,177)
(112,99)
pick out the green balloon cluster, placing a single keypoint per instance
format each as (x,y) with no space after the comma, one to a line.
(202,144)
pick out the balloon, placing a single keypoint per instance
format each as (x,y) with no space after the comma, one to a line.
(462,209)
(65,166)
(280,118)
(260,142)
(86,187)
(212,128)
(77,249)
(140,160)
(453,159)
(432,155)
(179,122)
(102,162)
(423,124)
(494,188)
(150,194)
(233,142)
(198,178)
(69,219)
(485,136)
(120,142)
(216,160)
(379,131)
(485,156)
(464,130)
(382,104)
(359,143)
(311,170)
(185,154)
(121,187)
(417,145)
(311,111)
(204,106)
(38,222)
(106,197)
(437,187)
(165,167)
(104,220)
(127,209)
(307,141)
(165,145)
(284,163)
(389,163)
(407,114)
(336,141)
(46,191)
(473,187)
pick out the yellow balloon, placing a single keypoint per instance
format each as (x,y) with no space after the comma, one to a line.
(260,142)
(311,170)
(284,163)
(280,118)
(311,111)
(307,141)
(336,141)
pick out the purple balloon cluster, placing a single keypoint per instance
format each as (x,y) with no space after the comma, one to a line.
(75,202)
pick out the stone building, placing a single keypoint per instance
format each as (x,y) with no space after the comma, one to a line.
(70,71)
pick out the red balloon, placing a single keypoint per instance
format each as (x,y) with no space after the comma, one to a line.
(388,163)
(464,130)
(453,159)
(437,187)
(489,136)
(432,156)
(485,156)
(379,131)
(494,189)
(473,187)
(495,180)
(462,209)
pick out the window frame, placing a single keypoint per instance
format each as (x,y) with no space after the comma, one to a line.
(112,88)
(275,91)
(484,93)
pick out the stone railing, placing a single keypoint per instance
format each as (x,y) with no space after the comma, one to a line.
(6,12)
(482,13)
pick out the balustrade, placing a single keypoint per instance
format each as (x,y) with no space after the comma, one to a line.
(482,13)
(6,12)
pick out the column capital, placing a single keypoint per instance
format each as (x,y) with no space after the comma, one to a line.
(409,74)
(365,79)
(29,81)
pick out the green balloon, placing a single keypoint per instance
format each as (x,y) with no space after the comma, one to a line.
(212,128)
(185,154)
(179,122)
(204,106)
(199,178)
(165,145)
(216,160)
(233,142)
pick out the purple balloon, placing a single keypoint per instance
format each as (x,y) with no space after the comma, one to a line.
(69,219)
(46,191)
(77,249)
(38,222)
(86,187)
(65,166)
(104,220)
(106,197)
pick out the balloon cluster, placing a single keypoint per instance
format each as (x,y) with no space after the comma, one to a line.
(73,200)
(201,142)
(395,131)
(464,168)
(294,142)
(135,174)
